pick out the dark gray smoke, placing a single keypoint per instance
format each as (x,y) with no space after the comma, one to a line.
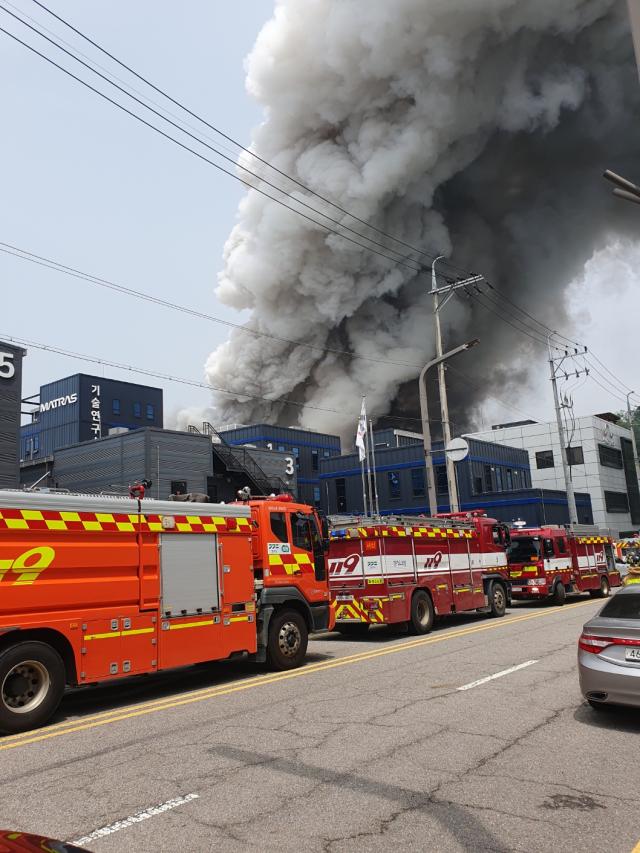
(477,129)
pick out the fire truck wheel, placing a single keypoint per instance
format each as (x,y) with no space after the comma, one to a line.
(498,600)
(32,678)
(421,612)
(559,595)
(288,639)
(604,590)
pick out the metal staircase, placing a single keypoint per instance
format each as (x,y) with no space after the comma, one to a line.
(240,461)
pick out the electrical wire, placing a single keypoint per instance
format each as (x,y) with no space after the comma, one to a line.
(104,362)
(403,259)
(48,263)
(217,130)
(405,262)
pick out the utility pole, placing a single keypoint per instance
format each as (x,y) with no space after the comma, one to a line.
(633,437)
(424,414)
(448,290)
(555,364)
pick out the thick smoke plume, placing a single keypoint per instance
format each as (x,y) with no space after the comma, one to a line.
(477,129)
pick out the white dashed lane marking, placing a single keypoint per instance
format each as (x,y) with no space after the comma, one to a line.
(497,675)
(126,822)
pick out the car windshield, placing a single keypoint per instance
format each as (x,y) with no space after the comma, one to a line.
(522,549)
(622,607)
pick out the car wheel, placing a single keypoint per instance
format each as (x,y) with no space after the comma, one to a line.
(32,679)
(559,595)
(422,614)
(498,600)
(288,639)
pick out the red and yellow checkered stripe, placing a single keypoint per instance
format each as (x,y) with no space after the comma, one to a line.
(415,532)
(355,611)
(53,520)
(593,540)
(291,563)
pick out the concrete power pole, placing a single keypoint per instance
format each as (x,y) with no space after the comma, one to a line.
(571,498)
(636,462)
(452,485)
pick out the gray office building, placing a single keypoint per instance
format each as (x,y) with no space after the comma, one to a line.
(10,402)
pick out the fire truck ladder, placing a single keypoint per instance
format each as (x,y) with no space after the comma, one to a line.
(240,461)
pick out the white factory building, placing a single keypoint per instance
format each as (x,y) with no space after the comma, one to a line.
(601,461)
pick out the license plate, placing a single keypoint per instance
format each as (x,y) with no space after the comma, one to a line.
(516,589)
(344,598)
(632,654)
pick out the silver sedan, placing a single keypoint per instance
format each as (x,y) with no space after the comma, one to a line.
(609,652)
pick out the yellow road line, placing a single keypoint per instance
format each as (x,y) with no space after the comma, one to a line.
(636,849)
(131,711)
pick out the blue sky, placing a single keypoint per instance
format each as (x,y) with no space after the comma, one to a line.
(90,187)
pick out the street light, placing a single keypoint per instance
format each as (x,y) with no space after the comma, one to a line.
(623,188)
(424,414)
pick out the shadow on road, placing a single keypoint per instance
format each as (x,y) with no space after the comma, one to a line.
(113,695)
(610,717)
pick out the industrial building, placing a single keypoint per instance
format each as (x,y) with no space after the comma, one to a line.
(175,462)
(600,456)
(10,397)
(84,408)
(493,477)
(306,450)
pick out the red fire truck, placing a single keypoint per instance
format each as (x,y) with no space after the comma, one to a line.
(411,569)
(552,562)
(99,588)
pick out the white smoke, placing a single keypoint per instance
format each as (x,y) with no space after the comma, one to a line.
(472,128)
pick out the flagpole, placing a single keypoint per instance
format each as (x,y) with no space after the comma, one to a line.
(372,507)
(375,478)
(362,449)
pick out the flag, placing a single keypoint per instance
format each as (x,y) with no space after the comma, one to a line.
(361,432)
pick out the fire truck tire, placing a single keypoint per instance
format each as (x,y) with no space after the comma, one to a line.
(604,590)
(288,638)
(559,595)
(32,679)
(422,614)
(497,600)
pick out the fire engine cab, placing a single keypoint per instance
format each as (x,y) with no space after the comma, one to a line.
(412,569)
(553,562)
(100,588)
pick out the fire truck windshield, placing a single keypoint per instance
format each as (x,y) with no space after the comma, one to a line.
(523,548)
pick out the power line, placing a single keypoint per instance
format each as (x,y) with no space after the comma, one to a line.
(248,151)
(104,362)
(403,259)
(407,262)
(48,263)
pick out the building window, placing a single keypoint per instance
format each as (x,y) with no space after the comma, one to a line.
(281,448)
(417,482)
(575,456)
(151,412)
(610,457)
(509,476)
(314,460)
(616,501)
(115,406)
(325,454)
(544,459)
(178,487)
(341,494)
(137,410)
(393,479)
(499,486)
(442,484)
(477,485)
(279,526)
(488,479)
(316,495)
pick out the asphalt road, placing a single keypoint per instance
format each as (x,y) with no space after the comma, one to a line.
(371,746)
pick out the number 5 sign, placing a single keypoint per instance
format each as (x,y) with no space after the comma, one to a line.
(7,367)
